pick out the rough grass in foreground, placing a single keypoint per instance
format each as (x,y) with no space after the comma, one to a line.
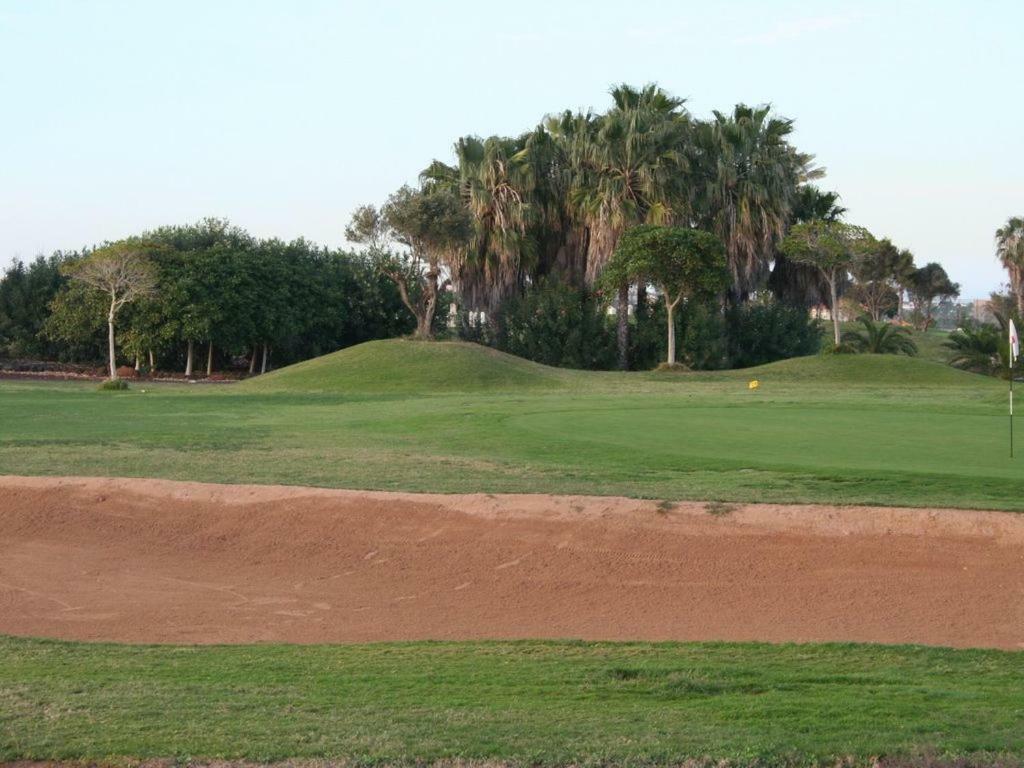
(526,703)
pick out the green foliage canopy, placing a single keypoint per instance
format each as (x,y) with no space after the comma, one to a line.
(680,262)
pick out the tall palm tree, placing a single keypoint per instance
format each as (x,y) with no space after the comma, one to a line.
(1010,251)
(555,152)
(630,168)
(507,193)
(747,180)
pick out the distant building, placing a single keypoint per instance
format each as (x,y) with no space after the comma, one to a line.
(981,311)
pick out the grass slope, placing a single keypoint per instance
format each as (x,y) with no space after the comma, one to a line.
(403,366)
(459,418)
(885,370)
(529,703)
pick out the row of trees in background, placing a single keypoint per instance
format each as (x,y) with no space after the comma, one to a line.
(166,293)
(704,234)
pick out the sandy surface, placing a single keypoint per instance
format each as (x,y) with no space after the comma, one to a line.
(162,561)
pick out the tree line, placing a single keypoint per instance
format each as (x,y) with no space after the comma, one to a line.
(547,221)
(190,297)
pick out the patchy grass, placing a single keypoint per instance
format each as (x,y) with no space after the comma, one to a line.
(528,703)
(719,508)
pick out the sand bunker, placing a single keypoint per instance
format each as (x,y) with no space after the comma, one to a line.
(162,561)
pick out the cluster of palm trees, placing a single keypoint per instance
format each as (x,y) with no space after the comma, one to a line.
(553,202)
(558,199)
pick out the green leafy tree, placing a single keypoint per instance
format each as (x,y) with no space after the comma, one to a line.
(802,285)
(681,263)
(831,247)
(75,322)
(122,273)
(876,271)
(26,291)
(879,338)
(927,284)
(434,227)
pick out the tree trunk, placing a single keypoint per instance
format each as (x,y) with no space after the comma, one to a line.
(266,355)
(152,362)
(671,332)
(188,360)
(209,360)
(138,362)
(899,303)
(111,352)
(834,309)
(252,360)
(425,321)
(622,331)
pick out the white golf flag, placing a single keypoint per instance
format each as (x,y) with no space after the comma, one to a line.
(1014,344)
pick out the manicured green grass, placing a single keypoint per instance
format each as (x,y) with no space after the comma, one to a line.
(930,345)
(405,366)
(524,702)
(873,429)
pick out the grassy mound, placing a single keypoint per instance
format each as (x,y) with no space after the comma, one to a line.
(405,366)
(887,370)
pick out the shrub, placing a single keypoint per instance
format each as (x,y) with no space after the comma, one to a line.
(700,336)
(555,325)
(765,332)
(558,325)
(879,338)
(979,348)
(113,385)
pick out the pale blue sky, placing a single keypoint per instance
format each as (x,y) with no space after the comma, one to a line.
(283,116)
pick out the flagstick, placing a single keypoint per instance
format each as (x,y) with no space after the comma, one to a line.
(1014,351)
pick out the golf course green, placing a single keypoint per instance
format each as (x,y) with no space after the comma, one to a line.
(455,417)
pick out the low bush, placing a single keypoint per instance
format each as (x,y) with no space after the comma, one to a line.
(569,328)
(555,325)
(760,333)
(113,385)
